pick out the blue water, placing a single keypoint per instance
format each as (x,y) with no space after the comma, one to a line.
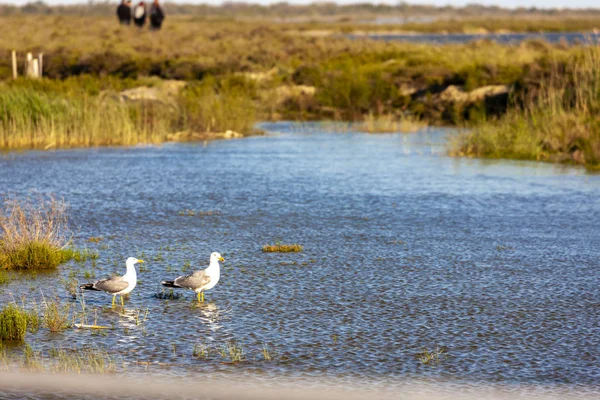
(494,262)
(570,38)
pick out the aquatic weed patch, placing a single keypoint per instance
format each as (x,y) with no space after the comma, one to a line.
(13,323)
(33,234)
(282,248)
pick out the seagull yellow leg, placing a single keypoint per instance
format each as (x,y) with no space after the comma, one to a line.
(113,303)
(198,297)
(202,296)
(122,301)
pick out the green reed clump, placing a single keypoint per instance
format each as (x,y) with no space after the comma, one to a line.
(13,323)
(31,119)
(33,234)
(282,248)
(56,315)
(560,123)
(218,105)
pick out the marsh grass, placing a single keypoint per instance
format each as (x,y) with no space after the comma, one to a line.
(34,118)
(233,352)
(57,316)
(282,248)
(266,353)
(33,235)
(85,360)
(560,123)
(433,357)
(13,323)
(201,351)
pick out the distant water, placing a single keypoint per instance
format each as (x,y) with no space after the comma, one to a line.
(570,38)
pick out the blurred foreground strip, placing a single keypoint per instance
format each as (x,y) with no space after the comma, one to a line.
(15,384)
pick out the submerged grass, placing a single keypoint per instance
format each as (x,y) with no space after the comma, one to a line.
(560,123)
(282,248)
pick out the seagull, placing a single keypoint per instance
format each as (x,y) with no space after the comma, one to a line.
(199,281)
(117,284)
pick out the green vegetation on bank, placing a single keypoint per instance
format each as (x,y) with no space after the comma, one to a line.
(204,78)
(80,112)
(558,123)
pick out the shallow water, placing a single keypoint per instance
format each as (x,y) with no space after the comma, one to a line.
(496,262)
(570,38)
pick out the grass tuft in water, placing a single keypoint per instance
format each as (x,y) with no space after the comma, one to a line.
(57,316)
(33,235)
(232,352)
(201,351)
(13,323)
(282,248)
(266,353)
(87,360)
(434,357)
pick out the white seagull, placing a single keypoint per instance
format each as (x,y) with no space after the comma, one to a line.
(199,281)
(117,284)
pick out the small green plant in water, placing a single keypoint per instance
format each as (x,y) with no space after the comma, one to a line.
(13,323)
(434,357)
(56,315)
(233,352)
(266,353)
(201,351)
(282,248)
(33,235)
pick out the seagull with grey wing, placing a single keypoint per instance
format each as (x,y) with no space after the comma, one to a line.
(117,285)
(199,281)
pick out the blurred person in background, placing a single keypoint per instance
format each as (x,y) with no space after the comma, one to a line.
(124,12)
(139,14)
(157,16)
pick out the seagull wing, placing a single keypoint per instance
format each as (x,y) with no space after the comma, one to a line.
(111,285)
(193,281)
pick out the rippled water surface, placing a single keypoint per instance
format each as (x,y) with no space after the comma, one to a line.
(496,262)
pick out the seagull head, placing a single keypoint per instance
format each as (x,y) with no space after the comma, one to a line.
(132,261)
(216,257)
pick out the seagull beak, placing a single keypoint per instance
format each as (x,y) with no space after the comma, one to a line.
(221,259)
(141,261)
